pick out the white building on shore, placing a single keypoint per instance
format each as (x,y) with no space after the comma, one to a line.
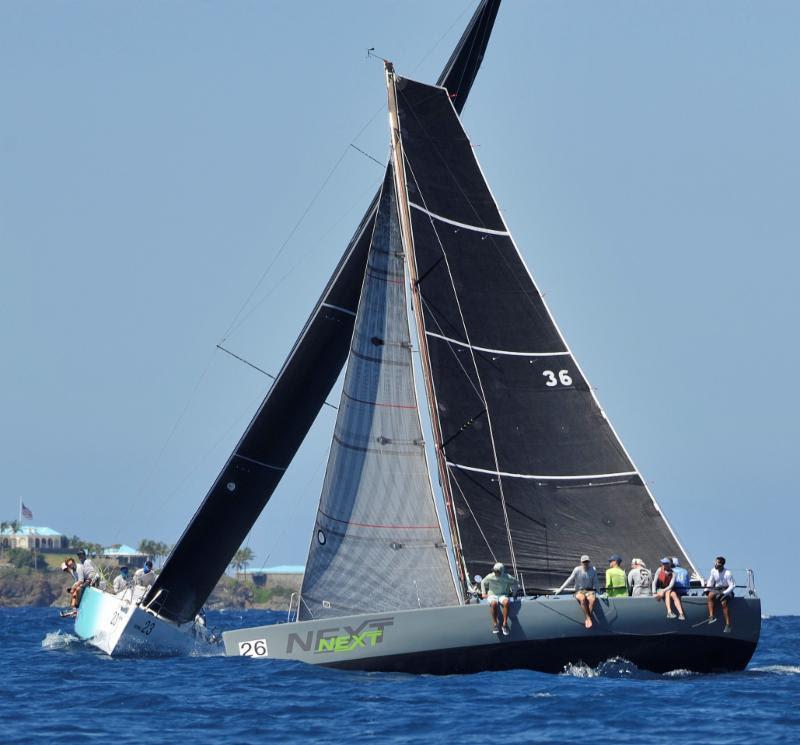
(33,537)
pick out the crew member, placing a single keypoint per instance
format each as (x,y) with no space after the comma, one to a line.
(496,587)
(584,579)
(719,587)
(145,576)
(616,581)
(122,580)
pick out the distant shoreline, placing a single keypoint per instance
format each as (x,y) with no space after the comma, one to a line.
(43,588)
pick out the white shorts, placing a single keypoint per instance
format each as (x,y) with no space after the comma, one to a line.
(495,599)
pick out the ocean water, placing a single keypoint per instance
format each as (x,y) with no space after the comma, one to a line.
(55,687)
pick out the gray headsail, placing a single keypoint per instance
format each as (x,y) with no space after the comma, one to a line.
(535,473)
(377,544)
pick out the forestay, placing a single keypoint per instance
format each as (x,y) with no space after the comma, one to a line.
(377,545)
(537,475)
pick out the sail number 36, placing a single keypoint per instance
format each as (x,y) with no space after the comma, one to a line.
(564,378)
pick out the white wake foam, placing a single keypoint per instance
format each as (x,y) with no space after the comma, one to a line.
(58,640)
(777,669)
(616,667)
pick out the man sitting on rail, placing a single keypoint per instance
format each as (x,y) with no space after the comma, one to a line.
(497,587)
(719,587)
(584,579)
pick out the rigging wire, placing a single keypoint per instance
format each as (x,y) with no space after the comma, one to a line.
(477,524)
(303,257)
(237,320)
(283,245)
(382,165)
(256,367)
(149,474)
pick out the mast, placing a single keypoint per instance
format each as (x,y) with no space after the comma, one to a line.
(408,246)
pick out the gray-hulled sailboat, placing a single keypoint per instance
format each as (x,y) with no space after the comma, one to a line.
(531,471)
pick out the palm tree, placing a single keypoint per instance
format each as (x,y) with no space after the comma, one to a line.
(14,526)
(3,526)
(147,546)
(242,558)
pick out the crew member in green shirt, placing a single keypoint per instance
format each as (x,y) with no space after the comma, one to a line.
(616,581)
(497,587)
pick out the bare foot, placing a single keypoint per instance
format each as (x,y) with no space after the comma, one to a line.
(588,623)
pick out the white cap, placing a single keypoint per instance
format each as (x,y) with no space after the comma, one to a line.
(585,557)
(498,567)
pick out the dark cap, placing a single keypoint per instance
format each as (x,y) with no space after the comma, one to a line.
(615,557)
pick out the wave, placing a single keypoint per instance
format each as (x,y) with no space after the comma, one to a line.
(59,640)
(616,667)
(776,669)
(619,667)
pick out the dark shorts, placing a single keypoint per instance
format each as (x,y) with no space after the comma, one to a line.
(718,595)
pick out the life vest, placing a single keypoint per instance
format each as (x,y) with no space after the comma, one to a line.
(664,578)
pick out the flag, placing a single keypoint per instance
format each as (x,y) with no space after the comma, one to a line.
(26,513)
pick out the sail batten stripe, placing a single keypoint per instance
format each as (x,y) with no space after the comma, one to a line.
(577,477)
(375,525)
(376,403)
(497,351)
(259,463)
(340,309)
(457,224)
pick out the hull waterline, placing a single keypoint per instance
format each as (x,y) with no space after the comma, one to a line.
(546,635)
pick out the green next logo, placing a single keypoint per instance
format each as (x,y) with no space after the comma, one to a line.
(349,642)
(342,638)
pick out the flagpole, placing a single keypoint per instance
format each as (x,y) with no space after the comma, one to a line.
(20,511)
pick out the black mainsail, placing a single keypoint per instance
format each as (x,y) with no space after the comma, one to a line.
(254,469)
(377,544)
(535,474)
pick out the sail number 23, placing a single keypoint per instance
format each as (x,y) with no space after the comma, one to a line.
(563,377)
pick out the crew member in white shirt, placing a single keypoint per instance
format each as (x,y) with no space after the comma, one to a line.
(121,581)
(86,570)
(719,587)
(145,576)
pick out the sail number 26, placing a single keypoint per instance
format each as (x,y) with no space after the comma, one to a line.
(563,377)
(253,648)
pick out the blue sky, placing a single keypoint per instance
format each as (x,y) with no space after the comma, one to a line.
(154,159)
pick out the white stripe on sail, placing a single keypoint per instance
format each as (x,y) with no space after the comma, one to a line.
(336,307)
(577,477)
(259,463)
(456,223)
(497,351)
